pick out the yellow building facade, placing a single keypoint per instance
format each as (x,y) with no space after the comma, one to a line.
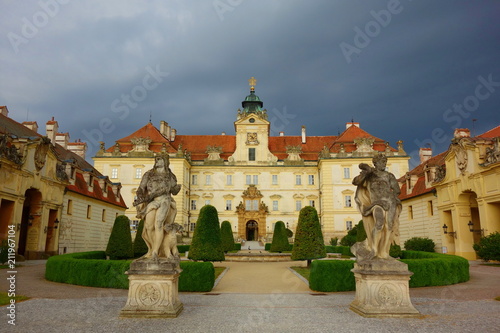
(254,179)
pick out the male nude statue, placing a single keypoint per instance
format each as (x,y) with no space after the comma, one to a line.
(377,199)
(156,206)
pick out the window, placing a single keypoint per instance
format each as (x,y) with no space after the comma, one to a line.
(252,204)
(138,173)
(430,208)
(251,154)
(193,204)
(410,212)
(207,202)
(89,211)
(192,225)
(347,173)
(348,201)
(194,179)
(311,203)
(252,180)
(348,225)
(229,180)
(103,215)
(298,180)
(208,179)
(134,224)
(311,179)
(69,209)
(275,179)
(298,205)
(229,204)
(275,206)
(114,173)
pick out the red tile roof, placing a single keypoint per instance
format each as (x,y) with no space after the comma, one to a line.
(81,187)
(147,131)
(492,133)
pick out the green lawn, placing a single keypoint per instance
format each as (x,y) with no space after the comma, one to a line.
(4,299)
(304,271)
(218,271)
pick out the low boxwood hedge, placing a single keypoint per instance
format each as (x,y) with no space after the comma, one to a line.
(91,269)
(344,250)
(429,269)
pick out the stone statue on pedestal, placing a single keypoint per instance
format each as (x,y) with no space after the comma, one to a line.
(381,281)
(154,278)
(377,199)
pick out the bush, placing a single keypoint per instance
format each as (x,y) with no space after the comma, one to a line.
(183,248)
(352,235)
(93,270)
(120,240)
(429,269)
(488,247)
(237,246)
(140,246)
(435,269)
(280,239)
(360,231)
(206,244)
(309,243)
(395,251)
(420,244)
(226,235)
(332,275)
(348,240)
(344,250)
(196,276)
(334,241)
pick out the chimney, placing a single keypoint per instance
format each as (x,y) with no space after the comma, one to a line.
(163,128)
(51,129)
(282,133)
(173,134)
(62,139)
(425,154)
(461,133)
(116,190)
(223,133)
(32,125)
(303,134)
(4,111)
(78,147)
(350,124)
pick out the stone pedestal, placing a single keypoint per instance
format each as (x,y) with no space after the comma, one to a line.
(153,289)
(382,289)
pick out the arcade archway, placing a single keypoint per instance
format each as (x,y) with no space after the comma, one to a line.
(252,230)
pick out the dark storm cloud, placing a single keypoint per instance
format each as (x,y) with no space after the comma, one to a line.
(417,63)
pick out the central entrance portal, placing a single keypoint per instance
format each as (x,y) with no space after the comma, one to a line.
(252,230)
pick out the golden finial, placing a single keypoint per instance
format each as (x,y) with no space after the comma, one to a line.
(252,83)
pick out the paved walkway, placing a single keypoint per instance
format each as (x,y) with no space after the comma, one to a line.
(287,307)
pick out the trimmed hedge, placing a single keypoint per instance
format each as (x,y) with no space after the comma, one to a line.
(237,246)
(332,275)
(429,269)
(280,239)
(344,250)
(96,271)
(420,244)
(140,247)
(120,240)
(435,269)
(207,244)
(226,236)
(183,248)
(308,243)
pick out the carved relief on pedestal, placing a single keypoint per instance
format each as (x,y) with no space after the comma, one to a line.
(148,294)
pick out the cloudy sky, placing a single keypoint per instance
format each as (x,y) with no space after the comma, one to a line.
(409,70)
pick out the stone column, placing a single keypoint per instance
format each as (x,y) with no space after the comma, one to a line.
(382,289)
(153,290)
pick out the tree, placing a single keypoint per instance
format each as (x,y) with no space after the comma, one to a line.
(280,238)
(488,247)
(226,235)
(120,241)
(309,243)
(140,246)
(207,244)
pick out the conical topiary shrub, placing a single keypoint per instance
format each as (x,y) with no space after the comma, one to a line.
(226,235)
(120,240)
(206,244)
(140,246)
(309,243)
(280,238)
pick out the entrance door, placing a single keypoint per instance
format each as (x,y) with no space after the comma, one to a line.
(252,230)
